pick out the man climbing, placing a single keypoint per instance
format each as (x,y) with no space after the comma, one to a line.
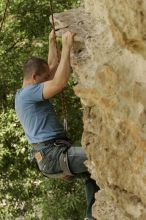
(51,148)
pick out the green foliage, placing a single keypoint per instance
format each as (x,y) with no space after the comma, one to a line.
(68,201)
(19,181)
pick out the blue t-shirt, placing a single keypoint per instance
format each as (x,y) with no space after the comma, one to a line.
(37,115)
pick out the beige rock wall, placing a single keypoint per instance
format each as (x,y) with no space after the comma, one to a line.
(109,59)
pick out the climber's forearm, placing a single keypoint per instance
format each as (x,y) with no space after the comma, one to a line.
(63,71)
(53,57)
(54,86)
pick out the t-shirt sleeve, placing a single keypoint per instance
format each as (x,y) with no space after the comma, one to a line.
(35,93)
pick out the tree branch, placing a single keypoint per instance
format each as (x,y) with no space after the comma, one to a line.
(4,15)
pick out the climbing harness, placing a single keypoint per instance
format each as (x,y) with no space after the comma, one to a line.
(64,108)
(38,154)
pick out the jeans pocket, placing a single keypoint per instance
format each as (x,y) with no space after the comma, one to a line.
(49,165)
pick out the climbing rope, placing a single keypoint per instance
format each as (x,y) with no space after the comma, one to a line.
(4,15)
(63,102)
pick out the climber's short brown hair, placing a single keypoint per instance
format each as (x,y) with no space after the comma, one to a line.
(34,65)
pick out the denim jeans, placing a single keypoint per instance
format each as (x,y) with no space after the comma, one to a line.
(76,158)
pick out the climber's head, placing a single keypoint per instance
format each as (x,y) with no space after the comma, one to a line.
(36,70)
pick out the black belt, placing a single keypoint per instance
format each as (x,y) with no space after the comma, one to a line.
(56,141)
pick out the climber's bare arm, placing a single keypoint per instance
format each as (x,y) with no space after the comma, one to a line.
(54,86)
(53,55)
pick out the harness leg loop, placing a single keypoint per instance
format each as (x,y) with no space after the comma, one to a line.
(67,174)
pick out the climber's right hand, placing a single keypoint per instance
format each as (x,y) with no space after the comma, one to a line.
(68,39)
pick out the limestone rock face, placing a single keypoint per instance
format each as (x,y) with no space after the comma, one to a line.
(109,59)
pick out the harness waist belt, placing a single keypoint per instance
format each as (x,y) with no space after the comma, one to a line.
(56,141)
